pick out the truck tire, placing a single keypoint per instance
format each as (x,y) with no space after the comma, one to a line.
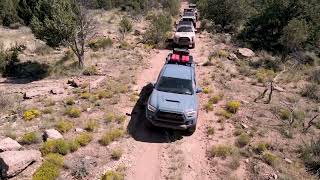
(190,130)
(193,45)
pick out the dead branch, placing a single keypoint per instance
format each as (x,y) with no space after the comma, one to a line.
(310,123)
(270,94)
(261,96)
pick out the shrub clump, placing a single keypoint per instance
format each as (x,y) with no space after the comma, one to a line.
(91,125)
(233,106)
(310,154)
(73,145)
(220,151)
(112,175)
(100,43)
(50,168)
(116,154)
(90,71)
(64,126)
(262,147)
(31,114)
(111,136)
(243,140)
(311,91)
(30,138)
(208,107)
(215,99)
(59,146)
(84,138)
(73,112)
(224,113)
(269,158)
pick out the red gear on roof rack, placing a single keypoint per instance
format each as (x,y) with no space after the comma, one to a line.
(175,57)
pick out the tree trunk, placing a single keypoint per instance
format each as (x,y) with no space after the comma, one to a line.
(81,61)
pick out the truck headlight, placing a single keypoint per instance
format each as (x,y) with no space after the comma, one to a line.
(191,114)
(152,108)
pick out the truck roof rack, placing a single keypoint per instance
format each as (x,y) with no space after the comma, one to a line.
(180,56)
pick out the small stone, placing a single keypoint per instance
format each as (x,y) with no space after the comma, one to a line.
(244,126)
(9,144)
(288,160)
(233,56)
(52,134)
(79,130)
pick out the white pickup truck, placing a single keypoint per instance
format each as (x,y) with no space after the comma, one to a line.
(185,35)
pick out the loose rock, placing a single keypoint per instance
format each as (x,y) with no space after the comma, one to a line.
(9,144)
(245,52)
(52,134)
(14,162)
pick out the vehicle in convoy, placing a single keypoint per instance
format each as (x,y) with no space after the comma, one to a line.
(195,10)
(173,102)
(180,23)
(185,35)
(189,16)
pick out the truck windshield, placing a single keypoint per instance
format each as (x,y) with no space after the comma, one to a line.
(175,85)
(185,29)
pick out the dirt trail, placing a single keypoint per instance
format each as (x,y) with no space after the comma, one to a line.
(146,155)
(159,154)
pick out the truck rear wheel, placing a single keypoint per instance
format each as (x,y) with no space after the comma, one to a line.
(190,130)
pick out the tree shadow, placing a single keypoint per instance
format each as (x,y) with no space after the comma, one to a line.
(25,72)
(139,127)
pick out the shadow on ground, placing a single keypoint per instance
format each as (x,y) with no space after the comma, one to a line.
(25,72)
(139,127)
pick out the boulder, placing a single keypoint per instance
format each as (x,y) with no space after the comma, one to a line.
(9,144)
(245,52)
(233,57)
(52,134)
(14,162)
(73,83)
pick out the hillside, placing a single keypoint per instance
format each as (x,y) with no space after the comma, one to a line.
(259,111)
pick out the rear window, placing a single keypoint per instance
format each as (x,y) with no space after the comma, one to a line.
(188,14)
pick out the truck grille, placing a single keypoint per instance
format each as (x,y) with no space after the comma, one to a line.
(170,116)
(184,41)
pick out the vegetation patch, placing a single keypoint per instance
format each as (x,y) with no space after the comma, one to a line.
(64,126)
(30,138)
(112,175)
(310,154)
(100,43)
(50,168)
(208,107)
(59,146)
(224,113)
(91,125)
(73,112)
(270,158)
(84,138)
(73,145)
(262,147)
(220,151)
(216,99)
(111,136)
(233,106)
(116,154)
(31,114)
(90,71)
(243,140)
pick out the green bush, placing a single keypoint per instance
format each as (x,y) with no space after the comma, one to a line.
(284,114)
(270,158)
(243,140)
(70,101)
(84,138)
(120,119)
(116,154)
(210,131)
(50,168)
(159,29)
(90,71)
(91,125)
(310,154)
(59,146)
(215,99)
(311,91)
(73,145)
(262,147)
(264,75)
(220,151)
(208,107)
(111,136)
(31,114)
(224,114)
(100,43)
(30,138)
(125,26)
(73,112)
(112,175)
(64,126)
(109,117)
(233,106)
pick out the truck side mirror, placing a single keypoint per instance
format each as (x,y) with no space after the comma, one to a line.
(198,90)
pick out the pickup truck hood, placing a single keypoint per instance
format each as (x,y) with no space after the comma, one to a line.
(173,102)
(185,34)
